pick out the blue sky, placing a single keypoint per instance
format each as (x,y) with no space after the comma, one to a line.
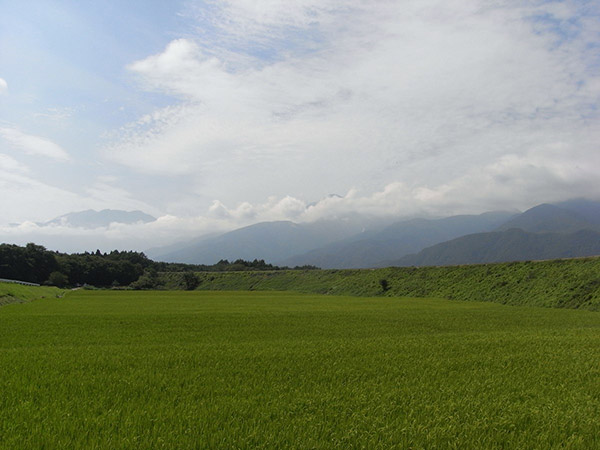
(212,115)
(73,54)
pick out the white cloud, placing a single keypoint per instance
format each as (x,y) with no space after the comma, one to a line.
(3,86)
(33,145)
(360,96)
(287,208)
(141,236)
(421,107)
(56,114)
(9,164)
(545,171)
(24,196)
(105,191)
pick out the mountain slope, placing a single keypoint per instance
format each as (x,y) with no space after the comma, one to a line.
(587,209)
(550,218)
(369,249)
(271,241)
(508,245)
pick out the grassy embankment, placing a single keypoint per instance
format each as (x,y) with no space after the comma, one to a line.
(573,283)
(131,369)
(17,293)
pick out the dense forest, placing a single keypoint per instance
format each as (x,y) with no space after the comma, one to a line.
(35,264)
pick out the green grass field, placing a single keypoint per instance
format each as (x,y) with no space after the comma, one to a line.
(567,283)
(110,369)
(18,293)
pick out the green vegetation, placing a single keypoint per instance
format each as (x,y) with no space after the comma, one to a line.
(16,293)
(33,263)
(573,283)
(133,369)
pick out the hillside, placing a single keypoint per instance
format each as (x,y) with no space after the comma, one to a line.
(587,209)
(396,240)
(16,293)
(569,229)
(271,241)
(550,218)
(510,245)
(571,283)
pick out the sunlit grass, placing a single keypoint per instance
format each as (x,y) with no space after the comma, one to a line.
(572,283)
(248,369)
(17,293)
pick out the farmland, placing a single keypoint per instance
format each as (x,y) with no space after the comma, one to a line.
(561,283)
(160,369)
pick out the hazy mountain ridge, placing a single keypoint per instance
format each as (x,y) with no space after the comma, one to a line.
(396,240)
(96,219)
(550,218)
(542,232)
(503,246)
(357,243)
(271,241)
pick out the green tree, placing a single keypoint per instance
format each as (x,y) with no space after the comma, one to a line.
(190,281)
(58,279)
(384,285)
(148,280)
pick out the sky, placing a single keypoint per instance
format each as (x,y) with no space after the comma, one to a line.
(215,114)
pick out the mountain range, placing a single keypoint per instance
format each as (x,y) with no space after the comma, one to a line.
(510,245)
(369,249)
(570,229)
(567,229)
(271,241)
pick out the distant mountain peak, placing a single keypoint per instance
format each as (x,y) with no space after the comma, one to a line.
(91,218)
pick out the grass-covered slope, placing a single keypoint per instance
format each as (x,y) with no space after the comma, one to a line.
(573,283)
(17,293)
(237,370)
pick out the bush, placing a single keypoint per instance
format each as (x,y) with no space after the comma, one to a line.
(384,285)
(57,279)
(190,281)
(148,280)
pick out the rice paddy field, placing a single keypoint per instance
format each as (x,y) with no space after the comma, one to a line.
(201,369)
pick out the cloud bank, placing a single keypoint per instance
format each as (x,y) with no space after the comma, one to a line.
(307,98)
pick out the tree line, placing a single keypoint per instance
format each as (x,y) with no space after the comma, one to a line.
(35,264)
